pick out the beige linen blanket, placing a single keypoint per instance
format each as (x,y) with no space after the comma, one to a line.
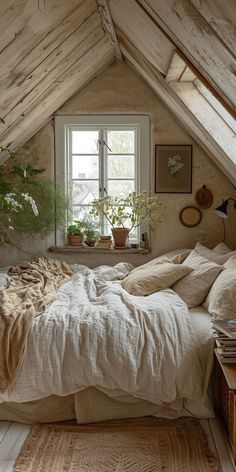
(98,335)
(33,287)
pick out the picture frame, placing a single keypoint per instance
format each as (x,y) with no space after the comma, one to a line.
(173,168)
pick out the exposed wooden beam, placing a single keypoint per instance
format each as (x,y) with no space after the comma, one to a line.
(221,17)
(182,113)
(108,26)
(200,46)
(142,30)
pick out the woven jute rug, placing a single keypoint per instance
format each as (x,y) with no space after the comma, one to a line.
(134,445)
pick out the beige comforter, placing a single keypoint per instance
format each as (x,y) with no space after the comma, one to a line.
(33,287)
(98,335)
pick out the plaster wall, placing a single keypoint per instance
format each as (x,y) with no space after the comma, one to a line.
(119,90)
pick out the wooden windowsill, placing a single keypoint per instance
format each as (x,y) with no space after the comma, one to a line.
(95,250)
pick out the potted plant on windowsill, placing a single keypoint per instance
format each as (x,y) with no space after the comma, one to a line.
(75,234)
(125,214)
(90,236)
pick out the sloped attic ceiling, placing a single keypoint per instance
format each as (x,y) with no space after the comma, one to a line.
(50,49)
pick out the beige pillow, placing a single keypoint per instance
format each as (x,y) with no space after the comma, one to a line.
(177,256)
(221,300)
(222,248)
(212,255)
(194,287)
(150,278)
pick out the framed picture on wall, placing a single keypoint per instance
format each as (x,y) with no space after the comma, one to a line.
(173,168)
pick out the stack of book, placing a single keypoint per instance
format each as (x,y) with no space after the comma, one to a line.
(104,242)
(224,333)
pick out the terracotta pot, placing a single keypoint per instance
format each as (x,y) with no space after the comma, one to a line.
(90,242)
(120,236)
(75,239)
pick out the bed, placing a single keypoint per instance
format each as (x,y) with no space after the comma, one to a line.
(99,353)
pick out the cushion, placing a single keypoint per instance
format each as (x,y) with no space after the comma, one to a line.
(222,248)
(194,287)
(177,256)
(221,300)
(212,255)
(150,278)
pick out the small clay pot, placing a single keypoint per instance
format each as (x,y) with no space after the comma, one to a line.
(90,242)
(75,239)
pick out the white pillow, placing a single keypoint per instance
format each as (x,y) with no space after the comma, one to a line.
(212,255)
(194,287)
(221,300)
(222,248)
(150,278)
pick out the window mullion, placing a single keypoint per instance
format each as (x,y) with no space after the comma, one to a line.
(101,164)
(105,162)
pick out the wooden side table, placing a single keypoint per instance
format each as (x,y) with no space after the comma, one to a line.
(225,397)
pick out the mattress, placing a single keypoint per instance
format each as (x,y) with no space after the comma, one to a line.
(92,405)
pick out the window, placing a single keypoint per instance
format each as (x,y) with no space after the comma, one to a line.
(100,155)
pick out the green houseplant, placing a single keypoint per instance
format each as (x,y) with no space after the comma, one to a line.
(125,214)
(91,235)
(75,234)
(27,201)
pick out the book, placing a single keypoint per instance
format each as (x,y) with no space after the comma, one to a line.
(227,327)
(226,354)
(228,360)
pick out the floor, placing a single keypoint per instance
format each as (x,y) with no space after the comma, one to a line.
(13,435)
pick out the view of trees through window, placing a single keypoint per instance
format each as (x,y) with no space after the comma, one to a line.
(102,162)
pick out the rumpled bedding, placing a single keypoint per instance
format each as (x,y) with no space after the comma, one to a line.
(97,335)
(32,288)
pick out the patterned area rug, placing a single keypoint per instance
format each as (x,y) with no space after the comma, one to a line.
(134,445)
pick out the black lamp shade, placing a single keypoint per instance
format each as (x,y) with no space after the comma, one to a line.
(222,210)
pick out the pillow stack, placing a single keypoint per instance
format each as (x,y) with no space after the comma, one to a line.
(194,287)
(221,300)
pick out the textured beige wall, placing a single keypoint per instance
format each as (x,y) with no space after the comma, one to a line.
(120,90)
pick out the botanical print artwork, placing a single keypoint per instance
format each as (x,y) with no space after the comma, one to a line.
(173,168)
(175,164)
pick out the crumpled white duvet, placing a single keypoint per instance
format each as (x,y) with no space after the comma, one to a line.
(96,334)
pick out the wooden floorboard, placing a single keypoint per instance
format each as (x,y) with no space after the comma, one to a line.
(13,435)
(11,443)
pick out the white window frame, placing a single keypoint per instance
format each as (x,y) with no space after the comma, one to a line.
(62,147)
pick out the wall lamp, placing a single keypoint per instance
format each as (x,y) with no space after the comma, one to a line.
(222,209)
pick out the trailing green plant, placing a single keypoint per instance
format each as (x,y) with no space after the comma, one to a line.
(130,212)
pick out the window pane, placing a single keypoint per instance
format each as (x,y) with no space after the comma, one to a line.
(83,213)
(120,166)
(84,142)
(85,167)
(120,188)
(121,142)
(84,192)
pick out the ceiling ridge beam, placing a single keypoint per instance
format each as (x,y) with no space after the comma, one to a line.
(108,26)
